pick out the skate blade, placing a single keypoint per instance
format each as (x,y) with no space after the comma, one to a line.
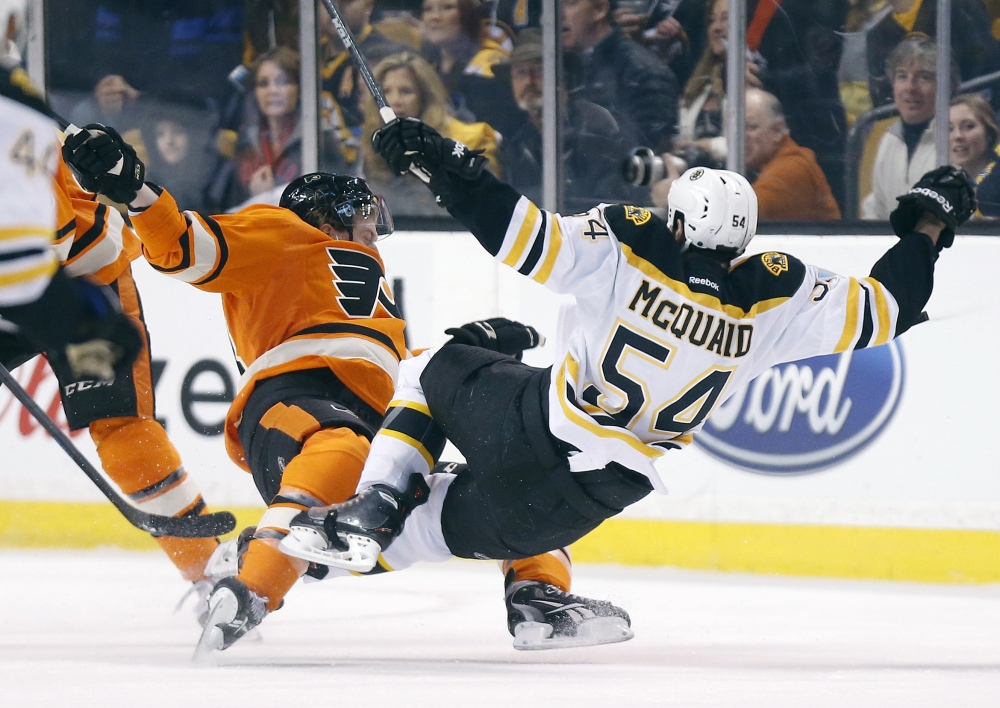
(222,609)
(224,561)
(533,636)
(308,544)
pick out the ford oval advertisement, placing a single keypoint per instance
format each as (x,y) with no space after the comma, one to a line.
(803,416)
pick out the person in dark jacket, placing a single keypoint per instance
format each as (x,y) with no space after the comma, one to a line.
(592,143)
(972,44)
(605,67)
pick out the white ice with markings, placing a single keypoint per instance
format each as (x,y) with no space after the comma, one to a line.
(98,629)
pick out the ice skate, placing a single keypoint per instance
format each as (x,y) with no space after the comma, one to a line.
(352,534)
(233,610)
(541,616)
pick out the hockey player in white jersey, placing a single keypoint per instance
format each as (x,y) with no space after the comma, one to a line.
(671,319)
(37,298)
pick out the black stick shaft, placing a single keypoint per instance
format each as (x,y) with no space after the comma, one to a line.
(199,526)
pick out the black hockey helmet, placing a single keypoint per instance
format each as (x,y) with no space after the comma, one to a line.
(339,200)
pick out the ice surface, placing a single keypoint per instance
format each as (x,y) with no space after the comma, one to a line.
(98,629)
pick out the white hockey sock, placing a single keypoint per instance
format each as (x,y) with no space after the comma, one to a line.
(422,538)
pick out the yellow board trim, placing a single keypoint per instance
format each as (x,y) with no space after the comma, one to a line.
(881,553)
(33,524)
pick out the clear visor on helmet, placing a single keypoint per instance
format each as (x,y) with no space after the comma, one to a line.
(366,209)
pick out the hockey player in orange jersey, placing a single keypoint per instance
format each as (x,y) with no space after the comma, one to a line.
(317,335)
(92,240)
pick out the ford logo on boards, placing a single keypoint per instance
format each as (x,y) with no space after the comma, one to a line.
(806,415)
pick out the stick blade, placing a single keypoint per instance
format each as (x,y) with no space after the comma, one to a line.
(205,526)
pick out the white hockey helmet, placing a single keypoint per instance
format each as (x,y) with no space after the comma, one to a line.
(718,209)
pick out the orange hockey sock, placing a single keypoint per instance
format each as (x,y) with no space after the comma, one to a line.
(554,568)
(137,454)
(268,572)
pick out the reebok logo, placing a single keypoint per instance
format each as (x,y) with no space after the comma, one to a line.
(459,149)
(703,281)
(935,196)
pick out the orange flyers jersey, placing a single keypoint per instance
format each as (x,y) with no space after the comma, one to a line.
(91,238)
(293,297)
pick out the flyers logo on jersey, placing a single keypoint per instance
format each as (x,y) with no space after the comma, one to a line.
(637,215)
(807,415)
(777,263)
(360,282)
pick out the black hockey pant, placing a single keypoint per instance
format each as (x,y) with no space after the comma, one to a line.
(516,496)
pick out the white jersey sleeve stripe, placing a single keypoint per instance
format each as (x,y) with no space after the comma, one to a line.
(36,232)
(553,244)
(852,308)
(523,225)
(205,251)
(104,251)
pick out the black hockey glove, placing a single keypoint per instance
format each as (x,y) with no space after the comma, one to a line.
(82,322)
(407,141)
(947,193)
(94,155)
(498,334)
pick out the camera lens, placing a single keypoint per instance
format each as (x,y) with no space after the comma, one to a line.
(642,167)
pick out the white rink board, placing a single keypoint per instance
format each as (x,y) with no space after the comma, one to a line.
(936,464)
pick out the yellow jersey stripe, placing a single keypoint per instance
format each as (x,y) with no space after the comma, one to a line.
(25,276)
(555,244)
(22,231)
(851,321)
(882,310)
(707,301)
(574,415)
(523,236)
(413,405)
(415,444)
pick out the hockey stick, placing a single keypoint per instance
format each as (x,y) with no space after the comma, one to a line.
(181,527)
(384,109)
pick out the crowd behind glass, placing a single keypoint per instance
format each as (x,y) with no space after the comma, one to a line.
(208,91)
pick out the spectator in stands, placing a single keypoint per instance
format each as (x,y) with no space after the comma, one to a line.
(973,135)
(972,44)
(700,138)
(605,67)
(592,144)
(673,29)
(798,45)
(269,149)
(907,149)
(181,154)
(463,46)
(342,86)
(414,90)
(789,183)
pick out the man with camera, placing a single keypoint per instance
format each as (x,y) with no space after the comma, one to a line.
(789,183)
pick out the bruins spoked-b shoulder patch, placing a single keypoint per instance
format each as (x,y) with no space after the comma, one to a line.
(637,215)
(777,263)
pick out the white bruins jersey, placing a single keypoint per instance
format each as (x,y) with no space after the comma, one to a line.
(660,339)
(29,147)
